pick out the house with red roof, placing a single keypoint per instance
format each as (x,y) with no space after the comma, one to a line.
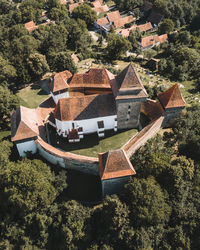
(99,7)
(153,40)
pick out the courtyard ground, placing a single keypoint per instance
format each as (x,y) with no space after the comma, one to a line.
(91,145)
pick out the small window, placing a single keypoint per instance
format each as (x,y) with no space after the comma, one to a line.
(72,125)
(80,129)
(100,124)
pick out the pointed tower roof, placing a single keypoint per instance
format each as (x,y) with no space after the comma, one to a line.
(25,124)
(128,78)
(172,98)
(115,164)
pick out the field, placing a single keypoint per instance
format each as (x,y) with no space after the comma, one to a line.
(91,145)
(31,96)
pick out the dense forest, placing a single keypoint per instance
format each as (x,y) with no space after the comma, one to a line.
(160,207)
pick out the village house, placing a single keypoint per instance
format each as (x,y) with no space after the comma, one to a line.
(30,26)
(151,41)
(99,7)
(112,18)
(142,28)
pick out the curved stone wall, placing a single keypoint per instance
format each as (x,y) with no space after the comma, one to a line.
(67,160)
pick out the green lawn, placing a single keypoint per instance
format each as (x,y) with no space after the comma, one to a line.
(91,145)
(32,96)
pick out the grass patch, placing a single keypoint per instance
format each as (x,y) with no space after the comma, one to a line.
(4,134)
(32,96)
(91,145)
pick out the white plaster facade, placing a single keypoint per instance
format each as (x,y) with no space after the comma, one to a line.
(57,97)
(27,146)
(88,125)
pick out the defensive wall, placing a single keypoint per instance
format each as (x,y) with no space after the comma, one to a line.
(91,164)
(67,160)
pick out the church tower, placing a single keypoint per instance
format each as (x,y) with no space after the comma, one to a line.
(131,93)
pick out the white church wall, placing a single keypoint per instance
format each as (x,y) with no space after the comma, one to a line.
(56,98)
(88,125)
(26,146)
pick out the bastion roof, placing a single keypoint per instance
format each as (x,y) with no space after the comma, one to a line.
(115,164)
(172,98)
(85,107)
(25,123)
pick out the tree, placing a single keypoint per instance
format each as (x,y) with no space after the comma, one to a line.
(166,26)
(62,61)
(116,46)
(84,12)
(128,4)
(187,133)
(8,102)
(146,202)
(59,14)
(160,6)
(69,225)
(111,222)
(7,71)
(38,65)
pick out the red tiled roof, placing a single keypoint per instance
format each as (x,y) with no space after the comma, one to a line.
(73,6)
(129,84)
(102,21)
(115,164)
(128,78)
(149,41)
(145,27)
(30,26)
(172,98)
(101,9)
(85,107)
(163,38)
(112,16)
(96,4)
(152,40)
(97,78)
(25,123)
(60,81)
(142,28)
(120,22)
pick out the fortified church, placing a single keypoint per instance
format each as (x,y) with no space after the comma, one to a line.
(94,102)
